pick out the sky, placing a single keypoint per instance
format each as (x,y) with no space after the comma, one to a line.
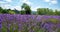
(16,4)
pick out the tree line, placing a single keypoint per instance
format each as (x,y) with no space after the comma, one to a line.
(26,9)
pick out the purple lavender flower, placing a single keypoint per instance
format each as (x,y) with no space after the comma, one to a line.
(0,25)
(28,20)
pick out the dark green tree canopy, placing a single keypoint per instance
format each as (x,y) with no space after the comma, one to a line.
(26,8)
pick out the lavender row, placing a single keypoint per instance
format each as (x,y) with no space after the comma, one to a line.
(29,23)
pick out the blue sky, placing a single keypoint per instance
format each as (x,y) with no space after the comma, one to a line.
(16,4)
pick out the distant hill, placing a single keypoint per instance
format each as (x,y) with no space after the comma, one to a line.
(34,12)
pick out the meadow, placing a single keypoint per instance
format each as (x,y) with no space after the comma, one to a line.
(29,23)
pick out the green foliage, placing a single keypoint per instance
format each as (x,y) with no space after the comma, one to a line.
(41,11)
(26,8)
(44,11)
(25,28)
(2,11)
(11,12)
(36,29)
(16,27)
(58,30)
(55,21)
(11,28)
(51,12)
(4,29)
(57,12)
(22,12)
(47,11)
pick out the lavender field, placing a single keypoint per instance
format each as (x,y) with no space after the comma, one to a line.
(29,23)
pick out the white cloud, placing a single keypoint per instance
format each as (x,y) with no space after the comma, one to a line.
(35,8)
(54,1)
(4,5)
(5,1)
(7,6)
(51,1)
(17,7)
(27,2)
(47,0)
(1,2)
(11,7)
(8,0)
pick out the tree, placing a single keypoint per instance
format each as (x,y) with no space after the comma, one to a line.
(4,11)
(45,11)
(11,11)
(39,11)
(51,12)
(1,10)
(22,12)
(57,12)
(26,8)
(42,11)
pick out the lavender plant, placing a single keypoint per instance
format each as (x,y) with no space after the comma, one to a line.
(29,23)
